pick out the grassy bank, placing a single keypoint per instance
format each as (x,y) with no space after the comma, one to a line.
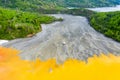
(18,24)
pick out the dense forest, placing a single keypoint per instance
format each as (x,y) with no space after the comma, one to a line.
(107,23)
(91,3)
(18,24)
(30,5)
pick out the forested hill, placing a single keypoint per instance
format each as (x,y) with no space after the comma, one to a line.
(50,4)
(32,4)
(91,3)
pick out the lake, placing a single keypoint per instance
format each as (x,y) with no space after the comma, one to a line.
(106,9)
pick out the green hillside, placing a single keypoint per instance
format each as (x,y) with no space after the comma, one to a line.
(31,5)
(91,3)
(58,4)
(18,24)
(107,23)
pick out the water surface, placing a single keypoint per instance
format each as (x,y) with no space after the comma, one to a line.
(106,9)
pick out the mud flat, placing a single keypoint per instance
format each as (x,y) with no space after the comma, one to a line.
(71,38)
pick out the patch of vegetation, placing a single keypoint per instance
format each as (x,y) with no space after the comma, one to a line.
(18,24)
(107,23)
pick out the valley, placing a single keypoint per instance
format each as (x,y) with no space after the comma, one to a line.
(59,39)
(71,38)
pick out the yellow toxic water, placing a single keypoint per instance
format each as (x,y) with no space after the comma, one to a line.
(97,68)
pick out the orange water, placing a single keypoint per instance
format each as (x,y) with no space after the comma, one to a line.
(97,68)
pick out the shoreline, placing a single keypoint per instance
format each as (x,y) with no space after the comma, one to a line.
(3,41)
